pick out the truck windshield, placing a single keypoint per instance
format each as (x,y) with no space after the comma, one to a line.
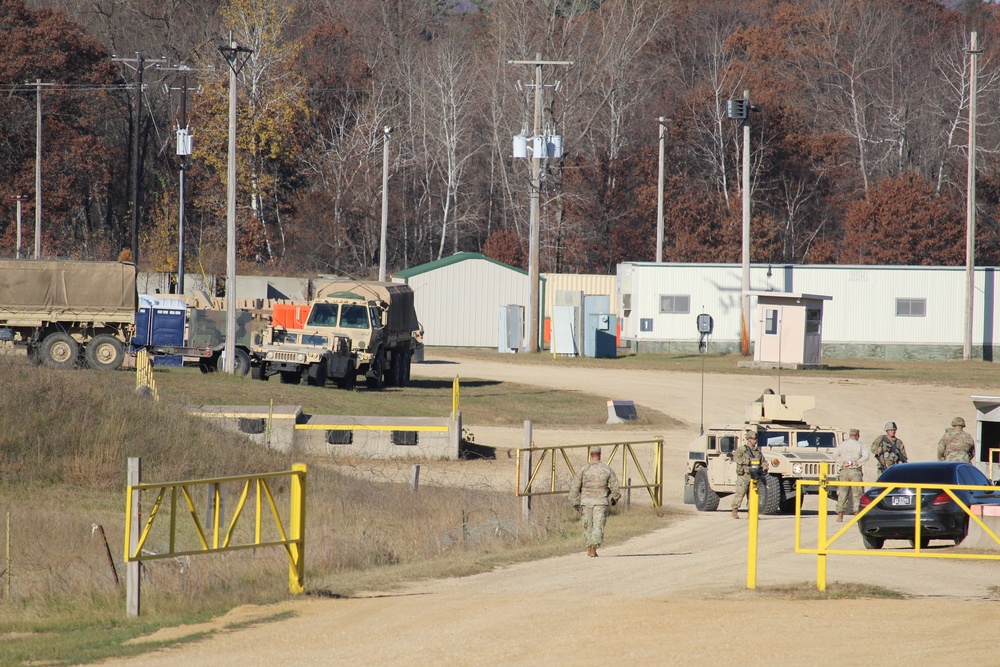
(323,315)
(354,317)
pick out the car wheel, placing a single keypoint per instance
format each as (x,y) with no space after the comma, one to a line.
(705,499)
(769,495)
(964,532)
(872,542)
(924,541)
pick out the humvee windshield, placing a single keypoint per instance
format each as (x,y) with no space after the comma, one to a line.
(817,439)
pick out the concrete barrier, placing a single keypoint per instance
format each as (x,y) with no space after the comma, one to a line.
(978,538)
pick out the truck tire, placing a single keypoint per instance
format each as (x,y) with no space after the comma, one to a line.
(407,358)
(769,494)
(290,377)
(59,350)
(104,353)
(398,371)
(317,375)
(241,362)
(705,499)
(350,377)
(259,372)
(375,378)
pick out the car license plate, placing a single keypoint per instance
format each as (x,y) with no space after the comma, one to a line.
(901,501)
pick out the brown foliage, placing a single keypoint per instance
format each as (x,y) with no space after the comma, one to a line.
(507,247)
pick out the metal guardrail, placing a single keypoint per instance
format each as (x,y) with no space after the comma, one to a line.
(824,543)
(652,482)
(216,533)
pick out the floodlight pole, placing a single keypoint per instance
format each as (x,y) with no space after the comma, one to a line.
(662,122)
(236,56)
(385,203)
(970,199)
(536,170)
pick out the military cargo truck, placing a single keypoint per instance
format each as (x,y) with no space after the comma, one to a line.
(380,321)
(63,311)
(295,356)
(792,447)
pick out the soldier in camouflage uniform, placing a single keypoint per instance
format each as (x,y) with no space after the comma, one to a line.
(747,452)
(956,444)
(887,449)
(591,491)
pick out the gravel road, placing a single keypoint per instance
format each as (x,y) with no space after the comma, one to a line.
(676,595)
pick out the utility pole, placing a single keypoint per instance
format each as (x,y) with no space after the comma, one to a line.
(662,122)
(970,198)
(745,283)
(141,62)
(385,202)
(236,56)
(536,170)
(183,152)
(38,164)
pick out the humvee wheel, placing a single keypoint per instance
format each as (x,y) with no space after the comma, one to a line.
(769,495)
(705,499)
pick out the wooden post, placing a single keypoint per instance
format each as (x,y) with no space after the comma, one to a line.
(132,578)
(415,478)
(628,492)
(526,472)
(7,556)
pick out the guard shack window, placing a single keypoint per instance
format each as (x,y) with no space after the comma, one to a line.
(814,317)
(771,321)
(911,307)
(675,304)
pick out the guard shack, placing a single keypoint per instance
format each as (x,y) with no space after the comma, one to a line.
(987,434)
(789,330)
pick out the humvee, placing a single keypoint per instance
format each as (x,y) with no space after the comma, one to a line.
(792,447)
(295,356)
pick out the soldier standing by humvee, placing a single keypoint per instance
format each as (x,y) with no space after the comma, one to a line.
(852,455)
(591,491)
(956,444)
(742,457)
(887,449)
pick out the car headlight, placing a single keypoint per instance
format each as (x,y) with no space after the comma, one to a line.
(796,468)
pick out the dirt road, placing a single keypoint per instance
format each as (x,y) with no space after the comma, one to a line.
(675,596)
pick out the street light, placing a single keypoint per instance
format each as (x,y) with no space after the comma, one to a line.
(740,110)
(236,56)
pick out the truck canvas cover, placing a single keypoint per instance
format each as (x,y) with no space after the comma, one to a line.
(66,286)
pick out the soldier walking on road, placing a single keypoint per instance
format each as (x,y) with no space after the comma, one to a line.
(851,457)
(887,449)
(745,454)
(956,444)
(591,491)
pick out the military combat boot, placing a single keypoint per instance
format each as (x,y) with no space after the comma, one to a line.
(592,551)
(840,517)
(736,513)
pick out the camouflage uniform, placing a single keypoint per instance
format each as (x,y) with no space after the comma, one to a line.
(956,444)
(593,488)
(742,457)
(888,452)
(851,457)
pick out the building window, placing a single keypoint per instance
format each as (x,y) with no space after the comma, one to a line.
(404,438)
(771,321)
(911,307)
(814,317)
(675,304)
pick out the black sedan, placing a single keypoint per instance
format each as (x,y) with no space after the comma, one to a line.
(941,518)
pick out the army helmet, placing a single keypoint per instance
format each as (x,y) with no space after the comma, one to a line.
(958,421)
(747,435)
(890,426)
(594,450)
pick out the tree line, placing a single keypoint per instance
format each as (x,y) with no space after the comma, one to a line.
(858,150)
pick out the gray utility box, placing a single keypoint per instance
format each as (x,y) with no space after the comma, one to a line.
(600,338)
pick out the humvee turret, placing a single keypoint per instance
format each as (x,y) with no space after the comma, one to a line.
(792,447)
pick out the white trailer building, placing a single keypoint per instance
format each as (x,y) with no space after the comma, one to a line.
(883,312)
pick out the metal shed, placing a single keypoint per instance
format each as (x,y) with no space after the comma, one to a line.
(458,298)
(882,312)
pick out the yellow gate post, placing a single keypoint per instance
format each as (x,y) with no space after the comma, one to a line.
(297,531)
(753,516)
(821,522)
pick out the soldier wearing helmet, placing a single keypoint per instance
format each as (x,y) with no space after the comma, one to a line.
(887,449)
(956,444)
(746,455)
(593,488)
